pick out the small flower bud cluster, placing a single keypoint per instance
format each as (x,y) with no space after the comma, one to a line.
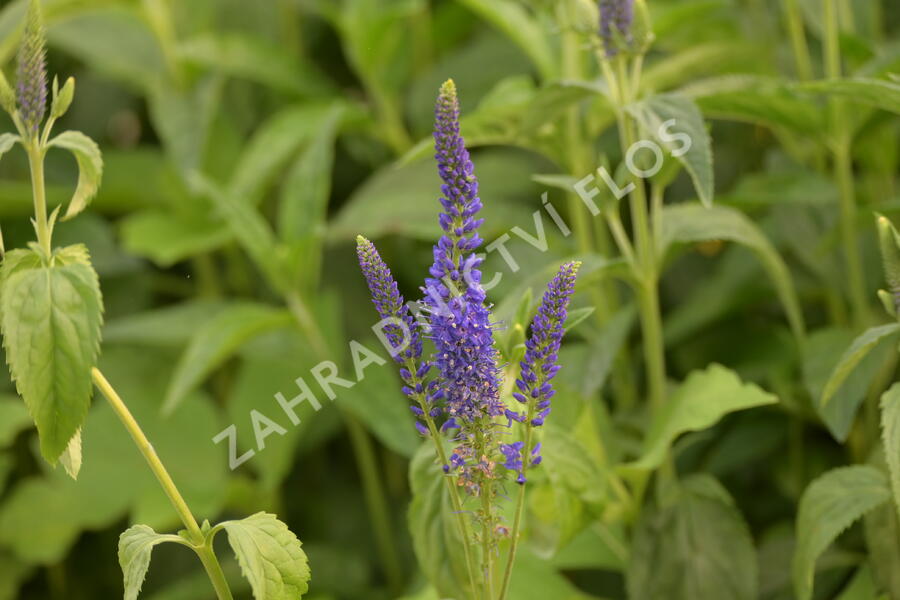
(31,71)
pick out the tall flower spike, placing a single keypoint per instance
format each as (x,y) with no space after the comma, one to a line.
(541,355)
(460,201)
(390,305)
(616,17)
(31,71)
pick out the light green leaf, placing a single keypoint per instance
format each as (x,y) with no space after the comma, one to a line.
(272,146)
(694,223)
(51,319)
(90,168)
(861,587)
(829,505)
(252,231)
(216,340)
(757,100)
(858,350)
(890,434)
(697,547)
(135,548)
(704,398)
(182,118)
(434,527)
(171,325)
(874,92)
(250,58)
(71,458)
(7,141)
(166,237)
(271,557)
(665,116)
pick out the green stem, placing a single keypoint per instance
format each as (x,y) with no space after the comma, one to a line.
(375,501)
(36,164)
(451,488)
(856,280)
(200,544)
(798,40)
(486,537)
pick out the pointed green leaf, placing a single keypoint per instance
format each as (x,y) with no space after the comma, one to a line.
(668,118)
(7,141)
(858,350)
(830,505)
(874,92)
(90,168)
(704,398)
(218,339)
(890,433)
(696,548)
(51,319)
(71,458)
(135,548)
(694,223)
(514,21)
(271,557)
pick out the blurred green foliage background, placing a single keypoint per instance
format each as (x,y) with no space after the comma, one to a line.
(312,120)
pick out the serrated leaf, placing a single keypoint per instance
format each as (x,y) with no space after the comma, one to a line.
(90,168)
(51,319)
(218,339)
(135,549)
(71,458)
(697,547)
(704,398)
(890,435)
(857,351)
(693,223)
(874,92)
(830,505)
(655,111)
(271,557)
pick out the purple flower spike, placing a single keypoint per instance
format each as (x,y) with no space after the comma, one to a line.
(542,348)
(31,71)
(616,17)
(390,305)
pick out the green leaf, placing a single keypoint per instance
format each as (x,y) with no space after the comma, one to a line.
(434,527)
(667,115)
(704,398)
(697,547)
(218,339)
(890,434)
(271,557)
(51,319)
(90,168)
(858,350)
(7,141)
(250,58)
(252,231)
(182,118)
(874,92)
(757,100)
(135,548)
(272,146)
(861,587)
(71,458)
(167,238)
(513,20)
(694,223)
(830,505)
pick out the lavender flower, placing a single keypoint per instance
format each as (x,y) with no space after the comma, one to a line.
(616,17)
(541,355)
(31,71)
(390,305)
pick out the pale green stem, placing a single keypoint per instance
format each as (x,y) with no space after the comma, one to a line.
(199,541)
(36,164)
(798,40)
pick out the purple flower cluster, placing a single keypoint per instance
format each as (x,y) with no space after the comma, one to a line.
(466,389)
(616,17)
(539,364)
(31,71)
(400,327)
